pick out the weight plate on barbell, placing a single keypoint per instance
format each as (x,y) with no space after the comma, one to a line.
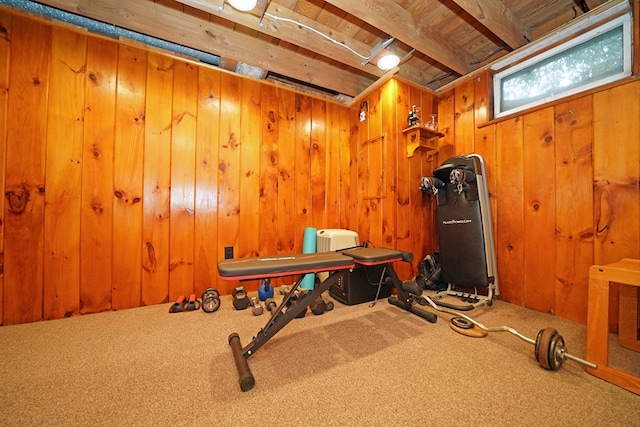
(210,304)
(543,346)
(556,352)
(210,291)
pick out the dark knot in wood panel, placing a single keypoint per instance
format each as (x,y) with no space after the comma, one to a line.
(17,197)
(150,264)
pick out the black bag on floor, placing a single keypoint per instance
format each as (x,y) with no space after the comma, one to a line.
(429,272)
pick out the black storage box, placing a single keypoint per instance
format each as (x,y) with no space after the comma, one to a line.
(360,285)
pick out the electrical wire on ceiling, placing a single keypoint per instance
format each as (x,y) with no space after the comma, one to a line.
(320,33)
(374,51)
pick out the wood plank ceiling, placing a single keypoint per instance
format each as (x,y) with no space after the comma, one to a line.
(318,46)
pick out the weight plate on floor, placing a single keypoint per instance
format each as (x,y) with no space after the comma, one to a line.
(210,304)
(461,323)
(475,332)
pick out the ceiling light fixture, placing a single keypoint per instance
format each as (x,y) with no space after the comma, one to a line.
(387,59)
(243,5)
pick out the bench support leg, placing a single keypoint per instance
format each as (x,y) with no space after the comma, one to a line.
(279,319)
(405,300)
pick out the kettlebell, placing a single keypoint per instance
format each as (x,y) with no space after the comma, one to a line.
(265,290)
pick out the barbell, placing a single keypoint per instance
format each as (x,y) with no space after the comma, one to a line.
(550,350)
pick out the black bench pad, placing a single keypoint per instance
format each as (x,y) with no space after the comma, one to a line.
(284,265)
(373,256)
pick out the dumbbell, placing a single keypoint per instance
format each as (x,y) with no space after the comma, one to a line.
(283,290)
(240,298)
(270,304)
(256,308)
(210,300)
(320,306)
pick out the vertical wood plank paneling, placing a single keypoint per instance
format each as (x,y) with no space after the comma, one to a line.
(354,210)
(389,164)
(229,169)
(420,221)
(128,178)
(5,54)
(157,179)
(314,144)
(430,160)
(250,135)
(318,152)
(96,228)
(539,210)
(464,118)
(63,174)
(373,201)
(268,173)
(616,130)
(574,207)
(485,142)
(510,207)
(348,118)
(302,169)
(334,130)
(404,184)
(287,213)
(318,149)
(183,155)
(206,186)
(25,174)
(446,125)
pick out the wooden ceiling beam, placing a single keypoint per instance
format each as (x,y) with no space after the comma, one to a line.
(498,19)
(398,22)
(283,24)
(165,23)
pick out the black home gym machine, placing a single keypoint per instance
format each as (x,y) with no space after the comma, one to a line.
(466,257)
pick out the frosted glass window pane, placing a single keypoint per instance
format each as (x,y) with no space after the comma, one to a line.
(584,62)
(593,60)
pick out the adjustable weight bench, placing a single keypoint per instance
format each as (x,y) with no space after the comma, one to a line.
(337,264)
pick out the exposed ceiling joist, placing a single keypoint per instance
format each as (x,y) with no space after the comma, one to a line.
(498,19)
(394,19)
(319,46)
(169,24)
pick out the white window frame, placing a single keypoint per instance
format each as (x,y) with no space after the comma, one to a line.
(623,20)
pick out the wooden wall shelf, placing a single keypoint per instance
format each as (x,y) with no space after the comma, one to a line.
(419,137)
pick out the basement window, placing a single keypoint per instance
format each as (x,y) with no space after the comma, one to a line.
(592,59)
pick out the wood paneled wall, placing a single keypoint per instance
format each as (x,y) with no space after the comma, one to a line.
(391,211)
(564,182)
(127,171)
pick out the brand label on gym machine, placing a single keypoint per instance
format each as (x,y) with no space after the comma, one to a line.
(456,221)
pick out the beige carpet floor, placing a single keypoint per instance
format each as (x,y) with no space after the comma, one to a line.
(353,366)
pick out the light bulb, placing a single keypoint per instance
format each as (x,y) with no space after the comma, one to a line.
(388,61)
(243,5)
